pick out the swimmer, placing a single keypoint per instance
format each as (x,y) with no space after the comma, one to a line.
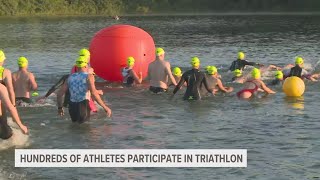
(83,53)
(252,86)
(177,73)
(159,71)
(81,87)
(5,130)
(238,76)
(130,77)
(214,82)
(23,82)
(278,78)
(298,71)
(240,63)
(6,78)
(194,79)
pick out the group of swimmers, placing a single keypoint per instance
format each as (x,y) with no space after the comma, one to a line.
(196,81)
(79,90)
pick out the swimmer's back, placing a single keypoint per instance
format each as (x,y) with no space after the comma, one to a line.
(21,83)
(158,73)
(252,84)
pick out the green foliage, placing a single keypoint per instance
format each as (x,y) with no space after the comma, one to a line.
(115,7)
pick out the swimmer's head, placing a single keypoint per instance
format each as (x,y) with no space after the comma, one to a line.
(195,62)
(241,55)
(159,51)
(207,67)
(299,60)
(84,52)
(237,73)
(278,75)
(81,62)
(22,62)
(130,61)
(2,56)
(212,70)
(177,71)
(255,73)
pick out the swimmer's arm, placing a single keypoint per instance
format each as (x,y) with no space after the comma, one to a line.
(60,94)
(251,63)
(169,73)
(178,86)
(266,89)
(271,66)
(96,96)
(57,85)
(137,78)
(33,83)
(9,85)
(13,111)
(222,88)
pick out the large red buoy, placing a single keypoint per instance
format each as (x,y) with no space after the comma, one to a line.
(111,47)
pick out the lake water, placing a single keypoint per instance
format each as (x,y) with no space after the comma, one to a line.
(281,135)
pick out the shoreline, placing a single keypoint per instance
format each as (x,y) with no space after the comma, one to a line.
(311,13)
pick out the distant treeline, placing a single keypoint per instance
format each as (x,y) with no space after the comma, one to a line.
(122,7)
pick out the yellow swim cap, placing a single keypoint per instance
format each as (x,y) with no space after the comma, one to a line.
(84,52)
(212,70)
(81,61)
(130,61)
(2,56)
(195,62)
(22,62)
(159,51)
(207,67)
(299,60)
(237,73)
(278,75)
(255,73)
(35,94)
(241,55)
(177,71)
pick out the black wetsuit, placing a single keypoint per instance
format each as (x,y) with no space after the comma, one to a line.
(61,81)
(5,130)
(296,71)
(240,64)
(194,78)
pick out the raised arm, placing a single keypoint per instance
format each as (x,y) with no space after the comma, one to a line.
(96,96)
(13,111)
(250,63)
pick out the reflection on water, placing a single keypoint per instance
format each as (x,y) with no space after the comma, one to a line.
(295,102)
